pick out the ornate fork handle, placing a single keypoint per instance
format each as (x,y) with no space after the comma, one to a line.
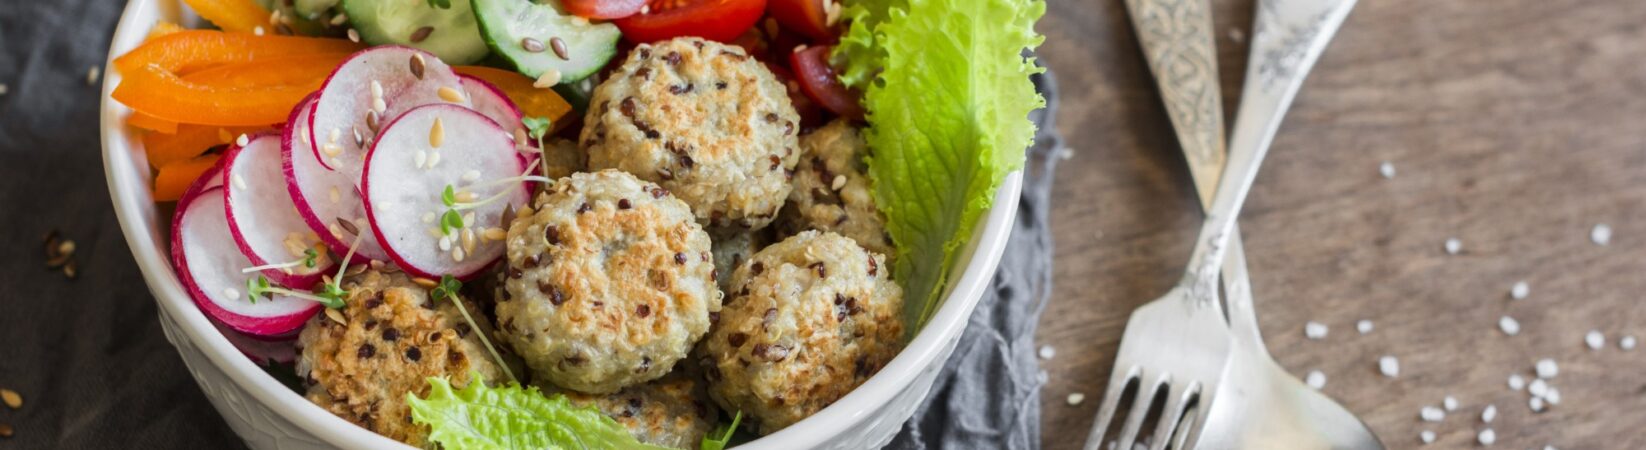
(1177,40)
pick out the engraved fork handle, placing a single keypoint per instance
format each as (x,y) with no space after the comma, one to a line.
(1176,36)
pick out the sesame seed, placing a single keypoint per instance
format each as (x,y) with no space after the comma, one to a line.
(428,217)
(258,30)
(1389,366)
(1488,414)
(419,159)
(1520,290)
(1076,398)
(92,74)
(1546,368)
(1046,352)
(559,47)
(230,294)
(334,135)
(4,89)
(1432,414)
(495,234)
(580,21)
(239,182)
(1315,379)
(66,247)
(471,176)
(548,79)
(1538,387)
(354,36)
(1594,339)
(336,316)
(1363,326)
(466,196)
(378,105)
(445,243)
(1626,343)
(1453,246)
(437,133)
(12,398)
(1486,437)
(242,140)
(450,95)
(1601,234)
(1553,396)
(1536,403)
(339,19)
(1427,436)
(839,182)
(1508,325)
(434,158)
(468,218)
(1314,330)
(1450,403)
(468,240)
(335,231)
(331,150)
(1517,382)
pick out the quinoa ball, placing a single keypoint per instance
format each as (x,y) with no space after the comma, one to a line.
(812,318)
(731,248)
(608,283)
(831,192)
(673,411)
(390,337)
(704,120)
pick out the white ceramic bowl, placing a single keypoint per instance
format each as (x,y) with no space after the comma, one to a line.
(270,416)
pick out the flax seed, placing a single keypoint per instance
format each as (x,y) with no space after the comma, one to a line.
(531,45)
(417,65)
(421,34)
(559,46)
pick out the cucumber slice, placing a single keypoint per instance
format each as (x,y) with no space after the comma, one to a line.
(507,24)
(452,36)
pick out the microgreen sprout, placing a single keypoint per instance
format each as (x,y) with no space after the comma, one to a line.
(448,289)
(308,261)
(724,433)
(537,128)
(258,287)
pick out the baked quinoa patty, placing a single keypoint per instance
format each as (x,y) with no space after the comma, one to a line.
(731,248)
(813,317)
(673,411)
(609,283)
(703,119)
(391,338)
(831,192)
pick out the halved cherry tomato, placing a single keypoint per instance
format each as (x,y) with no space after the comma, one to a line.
(807,17)
(603,9)
(811,115)
(715,20)
(817,79)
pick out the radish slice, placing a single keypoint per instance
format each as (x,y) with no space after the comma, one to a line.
(209,266)
(387,80)
(407,171)
(494,104)
(264,220)
(323,196)
(261,349)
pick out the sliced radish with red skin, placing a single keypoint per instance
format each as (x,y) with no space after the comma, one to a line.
(323,196)
(208,262)
(491,102)
(263,218)
(403,191)
(347,96)
(261,349)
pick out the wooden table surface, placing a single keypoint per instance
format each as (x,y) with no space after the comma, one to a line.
(1515,126)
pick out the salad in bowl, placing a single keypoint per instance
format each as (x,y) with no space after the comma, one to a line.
(580,223)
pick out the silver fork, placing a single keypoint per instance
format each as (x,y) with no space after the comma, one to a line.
(1177,346)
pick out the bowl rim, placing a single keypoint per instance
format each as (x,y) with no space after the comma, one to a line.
(127,174)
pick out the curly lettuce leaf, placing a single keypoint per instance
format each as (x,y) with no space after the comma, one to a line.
(722,435)
(948,94)
(511,417)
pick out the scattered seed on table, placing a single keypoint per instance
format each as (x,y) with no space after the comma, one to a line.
(1314,330)
(1517,382)
(1076,398)
(1487,437)
(1594,339)
(1490,413)
(1450,403)
(1538,387)
(354,36)
(1432,414)
(1536,403)
(1550,447)
(1453,246)
(532,45)
(1509,325)
(92,74)
(1427,436)
(1553,396)
(3,89)
(1546,368)
(559,46)
(1046,352)
(1520,290)
(1363,326)
(1389,366)
(5,430)
(1387,169)
(1626,343)
(1601,234)
(11,398)
(1316,379)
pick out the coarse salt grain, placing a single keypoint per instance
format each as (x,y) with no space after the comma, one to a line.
(92,74)
(1594,339)
(1536,403)
(1487,437)
(1314,330)
(1488,414)
(1546,368)
(1509,325)
(1626,343)
(1364,326)
(1046,352)
(1389,366)
(1450,403)
(1387,169)
(1601,234)
(1432,414)
(1520,290)
(1538,387)
(1453,246)
(1315,379)
(1517,382)
(1076,398)
(1553,396)
(1427,436)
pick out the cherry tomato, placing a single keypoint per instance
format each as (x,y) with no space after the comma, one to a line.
(807,17)
(715,20)
(818,81)
(754,43)
(603,9)
(811,114)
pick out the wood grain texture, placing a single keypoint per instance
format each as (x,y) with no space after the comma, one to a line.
(1514,125)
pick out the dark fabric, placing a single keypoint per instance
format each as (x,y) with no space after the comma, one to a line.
(988,394)
(95,372)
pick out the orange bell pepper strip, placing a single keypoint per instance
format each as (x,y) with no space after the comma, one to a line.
(162,94)
(151,123)
(242,16)
(186,51)
(163,28)
(533,101)
(176,177)
(291,70)
(189,141)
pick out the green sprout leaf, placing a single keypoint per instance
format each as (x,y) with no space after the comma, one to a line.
(450,221)
(537,126)
(449,197)
(724,431)
(331,295)
(448,287)
(309,256)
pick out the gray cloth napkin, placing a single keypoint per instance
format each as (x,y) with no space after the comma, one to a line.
(95,372)
(988,394)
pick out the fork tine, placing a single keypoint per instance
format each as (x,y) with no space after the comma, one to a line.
(1111,401)
(1189,434)
(1177,398)
(1140,409)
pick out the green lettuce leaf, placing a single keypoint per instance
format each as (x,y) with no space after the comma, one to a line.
(484,418)
(722,435)
(948,94)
